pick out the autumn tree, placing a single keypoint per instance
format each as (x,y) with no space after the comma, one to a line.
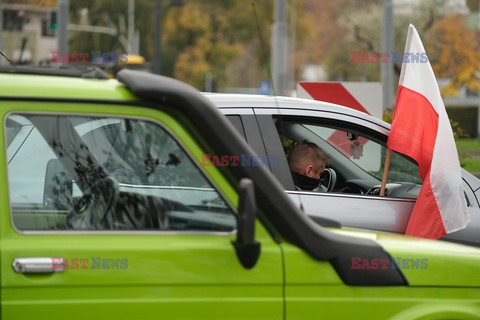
(454,52)
(364,32)
(217,38)
(197,43)
(321,27)
(228,39)
(198,37)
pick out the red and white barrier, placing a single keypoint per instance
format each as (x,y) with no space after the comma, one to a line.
(362,96)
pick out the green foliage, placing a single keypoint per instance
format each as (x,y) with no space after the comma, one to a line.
(458,131)
(469,154)
(388,115)
(199,42)
(465,118)
(468,144)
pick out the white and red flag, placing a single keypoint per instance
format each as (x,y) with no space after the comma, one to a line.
(421,130)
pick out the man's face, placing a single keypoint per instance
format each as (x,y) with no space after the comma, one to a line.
(311,172)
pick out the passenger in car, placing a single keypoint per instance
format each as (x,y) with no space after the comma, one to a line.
(307,162)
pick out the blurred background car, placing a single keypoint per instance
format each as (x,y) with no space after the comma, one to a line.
(356,143)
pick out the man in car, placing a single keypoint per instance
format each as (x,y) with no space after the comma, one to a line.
(307,162)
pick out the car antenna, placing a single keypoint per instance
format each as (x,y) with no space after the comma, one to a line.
(13,64)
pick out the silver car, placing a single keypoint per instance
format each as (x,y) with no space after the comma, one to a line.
(356,143)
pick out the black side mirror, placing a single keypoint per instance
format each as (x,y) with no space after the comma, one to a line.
(246,248)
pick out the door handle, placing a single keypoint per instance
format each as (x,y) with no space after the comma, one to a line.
(39,265)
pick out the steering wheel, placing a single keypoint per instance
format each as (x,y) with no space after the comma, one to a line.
(328,179)
(89,212)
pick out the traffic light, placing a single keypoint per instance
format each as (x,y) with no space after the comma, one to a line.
(52,24)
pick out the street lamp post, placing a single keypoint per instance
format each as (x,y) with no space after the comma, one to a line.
(279,48)
(387,46)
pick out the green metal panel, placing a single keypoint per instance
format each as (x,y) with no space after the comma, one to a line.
(344,302)
(444,264)
(446,289)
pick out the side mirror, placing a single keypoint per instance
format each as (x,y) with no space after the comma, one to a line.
(246,248)
(57,191)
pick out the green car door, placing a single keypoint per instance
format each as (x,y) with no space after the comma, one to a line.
(109,214)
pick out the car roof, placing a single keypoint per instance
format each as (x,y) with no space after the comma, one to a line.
(228,100)
(15,84)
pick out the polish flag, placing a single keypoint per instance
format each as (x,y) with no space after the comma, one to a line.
(421,130)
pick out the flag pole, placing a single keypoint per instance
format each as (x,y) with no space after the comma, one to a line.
(385,172)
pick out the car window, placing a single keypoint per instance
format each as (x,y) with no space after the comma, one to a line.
(107,174)
(357,159)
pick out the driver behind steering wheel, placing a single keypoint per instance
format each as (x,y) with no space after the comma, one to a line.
(307,162)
